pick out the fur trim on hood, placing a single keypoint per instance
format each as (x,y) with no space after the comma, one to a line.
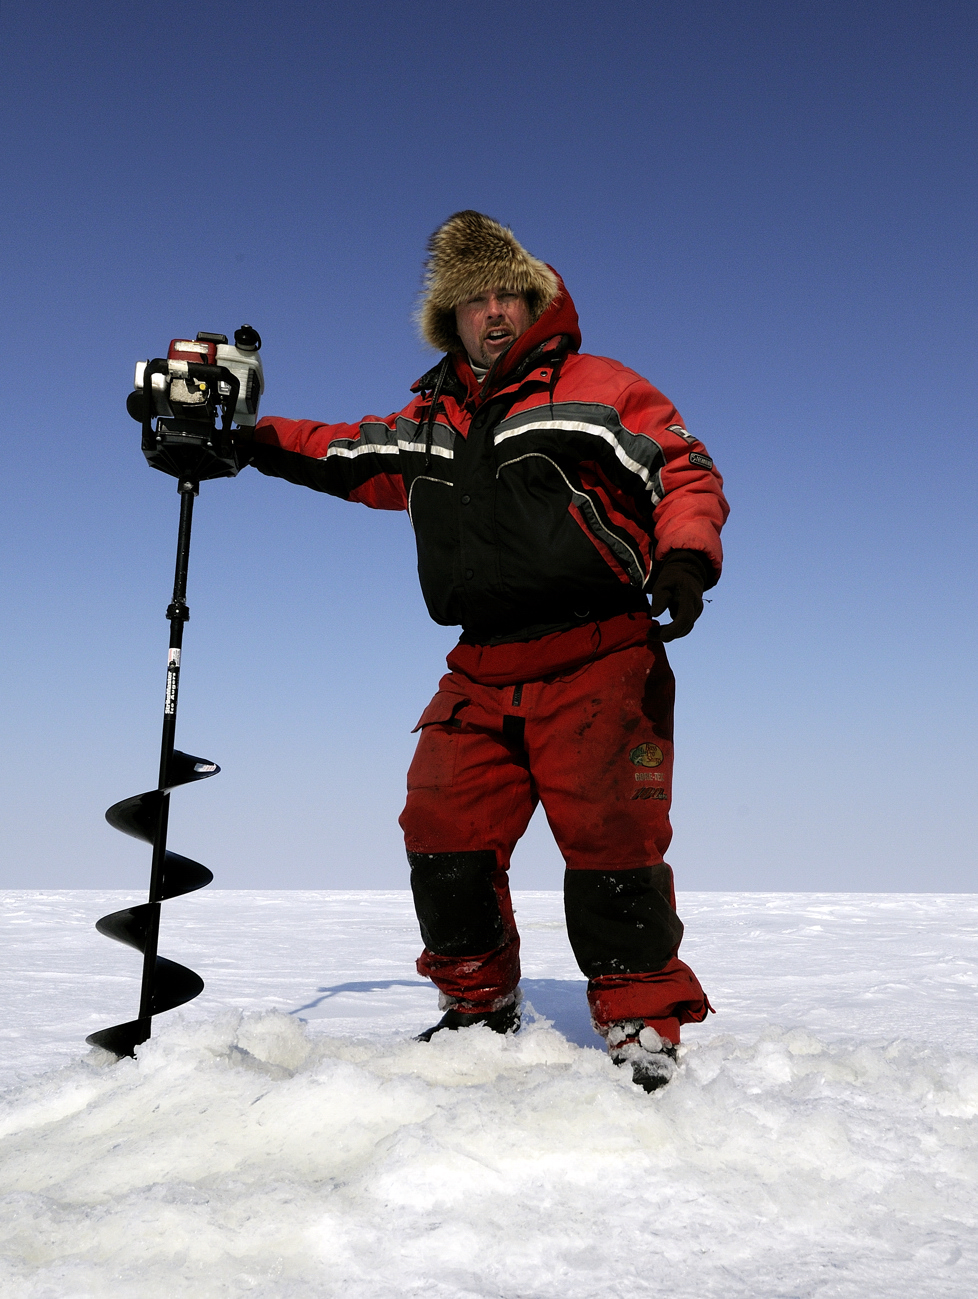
(467,255)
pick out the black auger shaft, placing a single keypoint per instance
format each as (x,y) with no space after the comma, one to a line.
(178,613)
(165,984)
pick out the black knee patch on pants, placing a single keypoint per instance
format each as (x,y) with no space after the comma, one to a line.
(456,902)
(621,922)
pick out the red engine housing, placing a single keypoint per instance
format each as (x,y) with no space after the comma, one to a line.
(189,349)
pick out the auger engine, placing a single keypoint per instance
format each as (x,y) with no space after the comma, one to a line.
(185,392)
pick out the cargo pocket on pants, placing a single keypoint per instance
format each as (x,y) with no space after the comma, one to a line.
(433,765)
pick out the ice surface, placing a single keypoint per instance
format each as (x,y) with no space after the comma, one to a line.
(284,1136)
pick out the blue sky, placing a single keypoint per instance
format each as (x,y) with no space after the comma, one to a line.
(766,208)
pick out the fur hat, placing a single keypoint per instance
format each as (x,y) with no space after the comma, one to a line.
(467,255)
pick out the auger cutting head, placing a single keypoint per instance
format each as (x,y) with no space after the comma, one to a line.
(179,400)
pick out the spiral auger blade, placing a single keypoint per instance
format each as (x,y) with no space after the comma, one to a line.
(165,984)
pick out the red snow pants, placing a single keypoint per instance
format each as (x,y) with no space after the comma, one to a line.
(594,745)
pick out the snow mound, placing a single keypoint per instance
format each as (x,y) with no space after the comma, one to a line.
(250,1155)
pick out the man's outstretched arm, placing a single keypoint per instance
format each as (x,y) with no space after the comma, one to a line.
(357,462)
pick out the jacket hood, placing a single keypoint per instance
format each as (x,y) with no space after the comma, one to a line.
(469,254)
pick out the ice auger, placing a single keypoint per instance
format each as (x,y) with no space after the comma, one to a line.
(177,400)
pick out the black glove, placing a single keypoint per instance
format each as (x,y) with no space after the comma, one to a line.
(243,440)
(679,588)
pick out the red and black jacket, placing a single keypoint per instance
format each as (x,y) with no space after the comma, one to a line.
(540,500)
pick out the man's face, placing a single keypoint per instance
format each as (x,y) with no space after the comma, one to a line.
(490,322)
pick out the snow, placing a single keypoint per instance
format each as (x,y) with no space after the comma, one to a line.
(284,1137)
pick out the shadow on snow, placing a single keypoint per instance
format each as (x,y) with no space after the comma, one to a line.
(562,1001)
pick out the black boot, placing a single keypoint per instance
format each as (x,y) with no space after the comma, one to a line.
(504,1019)
(652,1058)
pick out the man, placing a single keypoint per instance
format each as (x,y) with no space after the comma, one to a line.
(548,491)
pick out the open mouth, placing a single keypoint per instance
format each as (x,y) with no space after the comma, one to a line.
(495,336)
